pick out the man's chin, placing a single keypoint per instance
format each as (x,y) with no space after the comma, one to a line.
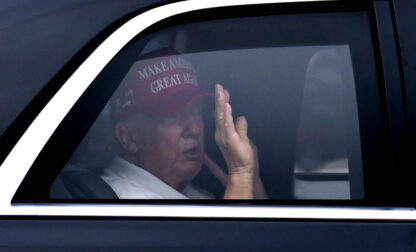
(191,169)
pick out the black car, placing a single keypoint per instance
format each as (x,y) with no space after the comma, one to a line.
(326,87)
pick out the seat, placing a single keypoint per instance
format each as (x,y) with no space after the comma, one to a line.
(80,178)
(80,184)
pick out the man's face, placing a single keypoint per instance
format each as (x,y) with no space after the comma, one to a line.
(172,147)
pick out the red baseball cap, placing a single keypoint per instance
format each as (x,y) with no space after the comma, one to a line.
(160,83)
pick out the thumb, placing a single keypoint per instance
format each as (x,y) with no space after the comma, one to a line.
(241,127)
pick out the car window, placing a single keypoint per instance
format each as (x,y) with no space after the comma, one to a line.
(149,126)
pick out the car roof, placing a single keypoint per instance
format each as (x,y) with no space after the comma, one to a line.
(39,37)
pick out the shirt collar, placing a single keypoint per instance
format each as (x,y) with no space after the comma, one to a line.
(140,176)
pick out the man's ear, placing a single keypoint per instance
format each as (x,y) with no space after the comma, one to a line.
(125,137)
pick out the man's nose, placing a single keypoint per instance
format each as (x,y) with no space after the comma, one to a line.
(192,125)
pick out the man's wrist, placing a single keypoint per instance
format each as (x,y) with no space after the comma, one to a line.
(240,186)
(241,178)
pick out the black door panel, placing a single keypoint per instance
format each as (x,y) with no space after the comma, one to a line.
(180,235)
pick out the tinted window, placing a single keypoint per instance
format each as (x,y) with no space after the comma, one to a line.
(306,83)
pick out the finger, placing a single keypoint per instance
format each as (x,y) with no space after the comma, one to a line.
(219,106)
(255,152)
(254,147)
(241,127)
(229,121)
(215,170)
(227,96)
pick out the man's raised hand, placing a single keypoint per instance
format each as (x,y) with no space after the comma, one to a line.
(235,146)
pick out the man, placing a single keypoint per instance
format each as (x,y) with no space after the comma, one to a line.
(159,132)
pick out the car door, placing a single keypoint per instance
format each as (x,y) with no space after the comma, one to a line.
(319,83)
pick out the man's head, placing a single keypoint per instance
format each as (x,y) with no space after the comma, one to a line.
(158,119)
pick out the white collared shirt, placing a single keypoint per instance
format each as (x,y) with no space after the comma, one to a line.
(132,182)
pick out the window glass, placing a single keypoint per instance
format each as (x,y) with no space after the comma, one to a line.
(155,125)
(295,98)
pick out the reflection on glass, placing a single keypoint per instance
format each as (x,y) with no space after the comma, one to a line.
(321,166)
(297,101)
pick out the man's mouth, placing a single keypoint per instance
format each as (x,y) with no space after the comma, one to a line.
(192,152)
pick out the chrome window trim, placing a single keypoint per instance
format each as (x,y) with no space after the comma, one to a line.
(212,211)
(24,153)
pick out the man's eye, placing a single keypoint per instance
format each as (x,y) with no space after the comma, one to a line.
(197,113)
(171,119)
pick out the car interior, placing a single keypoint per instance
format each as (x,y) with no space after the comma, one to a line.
(299,101)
